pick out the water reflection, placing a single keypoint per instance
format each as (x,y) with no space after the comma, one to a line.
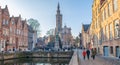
(37,61)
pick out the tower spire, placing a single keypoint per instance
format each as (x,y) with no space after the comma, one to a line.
(58,8)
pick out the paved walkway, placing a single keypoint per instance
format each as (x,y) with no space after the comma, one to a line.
(98,60)
(74,59)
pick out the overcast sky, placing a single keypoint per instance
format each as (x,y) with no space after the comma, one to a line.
(75,12)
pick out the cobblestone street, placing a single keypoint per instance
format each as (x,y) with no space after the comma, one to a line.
(98,60)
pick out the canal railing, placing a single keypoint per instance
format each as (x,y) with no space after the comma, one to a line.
(74,60)
(37,54)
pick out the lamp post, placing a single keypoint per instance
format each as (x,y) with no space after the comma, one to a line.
(118,28)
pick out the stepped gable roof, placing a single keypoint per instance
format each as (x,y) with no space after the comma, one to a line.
(16,19)
(23,23)
(5,11)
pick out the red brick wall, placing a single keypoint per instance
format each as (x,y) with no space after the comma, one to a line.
(15,28)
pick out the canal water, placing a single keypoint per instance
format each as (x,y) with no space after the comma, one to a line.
(36,61)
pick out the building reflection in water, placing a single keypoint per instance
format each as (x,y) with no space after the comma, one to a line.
(37,61)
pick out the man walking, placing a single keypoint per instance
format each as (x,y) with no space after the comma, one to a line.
(88,53)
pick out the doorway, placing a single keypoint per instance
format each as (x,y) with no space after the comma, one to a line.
(106,50)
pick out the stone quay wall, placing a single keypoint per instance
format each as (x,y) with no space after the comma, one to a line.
(41,54)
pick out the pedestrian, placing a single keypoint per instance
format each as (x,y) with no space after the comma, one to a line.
(84,54)
(93,53)
(88,53)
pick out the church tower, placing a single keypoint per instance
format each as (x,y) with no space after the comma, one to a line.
(58,20)
(58,29)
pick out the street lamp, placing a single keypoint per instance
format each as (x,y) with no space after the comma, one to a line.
(117,25)
(118,28)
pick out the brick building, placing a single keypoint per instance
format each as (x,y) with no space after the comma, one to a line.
(13,32)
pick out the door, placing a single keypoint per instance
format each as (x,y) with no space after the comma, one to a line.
(117,51)
(106,51)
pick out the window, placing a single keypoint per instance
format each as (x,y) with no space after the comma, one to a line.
(10,29)
(102,35)
(4,32)
(10,40)
(115,4)
(106,12)
(3,21)
(107,32)
(110,31)
(7,32)
(109,9)
(111,50)
(116,22)
(17,31)
(103,15)
(6,22)
(97,22)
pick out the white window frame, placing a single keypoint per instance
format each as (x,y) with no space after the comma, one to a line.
(109,9)
(115,5)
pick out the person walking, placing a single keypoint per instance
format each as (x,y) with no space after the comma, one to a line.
(88,53)
(84,54)
(93,53)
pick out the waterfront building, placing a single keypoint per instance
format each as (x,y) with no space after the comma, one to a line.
(105,27)
(13,32)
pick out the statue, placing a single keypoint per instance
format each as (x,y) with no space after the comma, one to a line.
(57,42)
(57,37)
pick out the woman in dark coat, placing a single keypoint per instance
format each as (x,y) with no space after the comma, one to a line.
(88,53)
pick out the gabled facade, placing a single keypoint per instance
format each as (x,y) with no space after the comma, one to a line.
(5,28)
(13,32)
(85,35)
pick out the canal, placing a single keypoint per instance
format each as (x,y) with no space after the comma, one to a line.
(37,61)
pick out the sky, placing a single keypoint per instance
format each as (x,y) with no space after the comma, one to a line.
(75,12)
